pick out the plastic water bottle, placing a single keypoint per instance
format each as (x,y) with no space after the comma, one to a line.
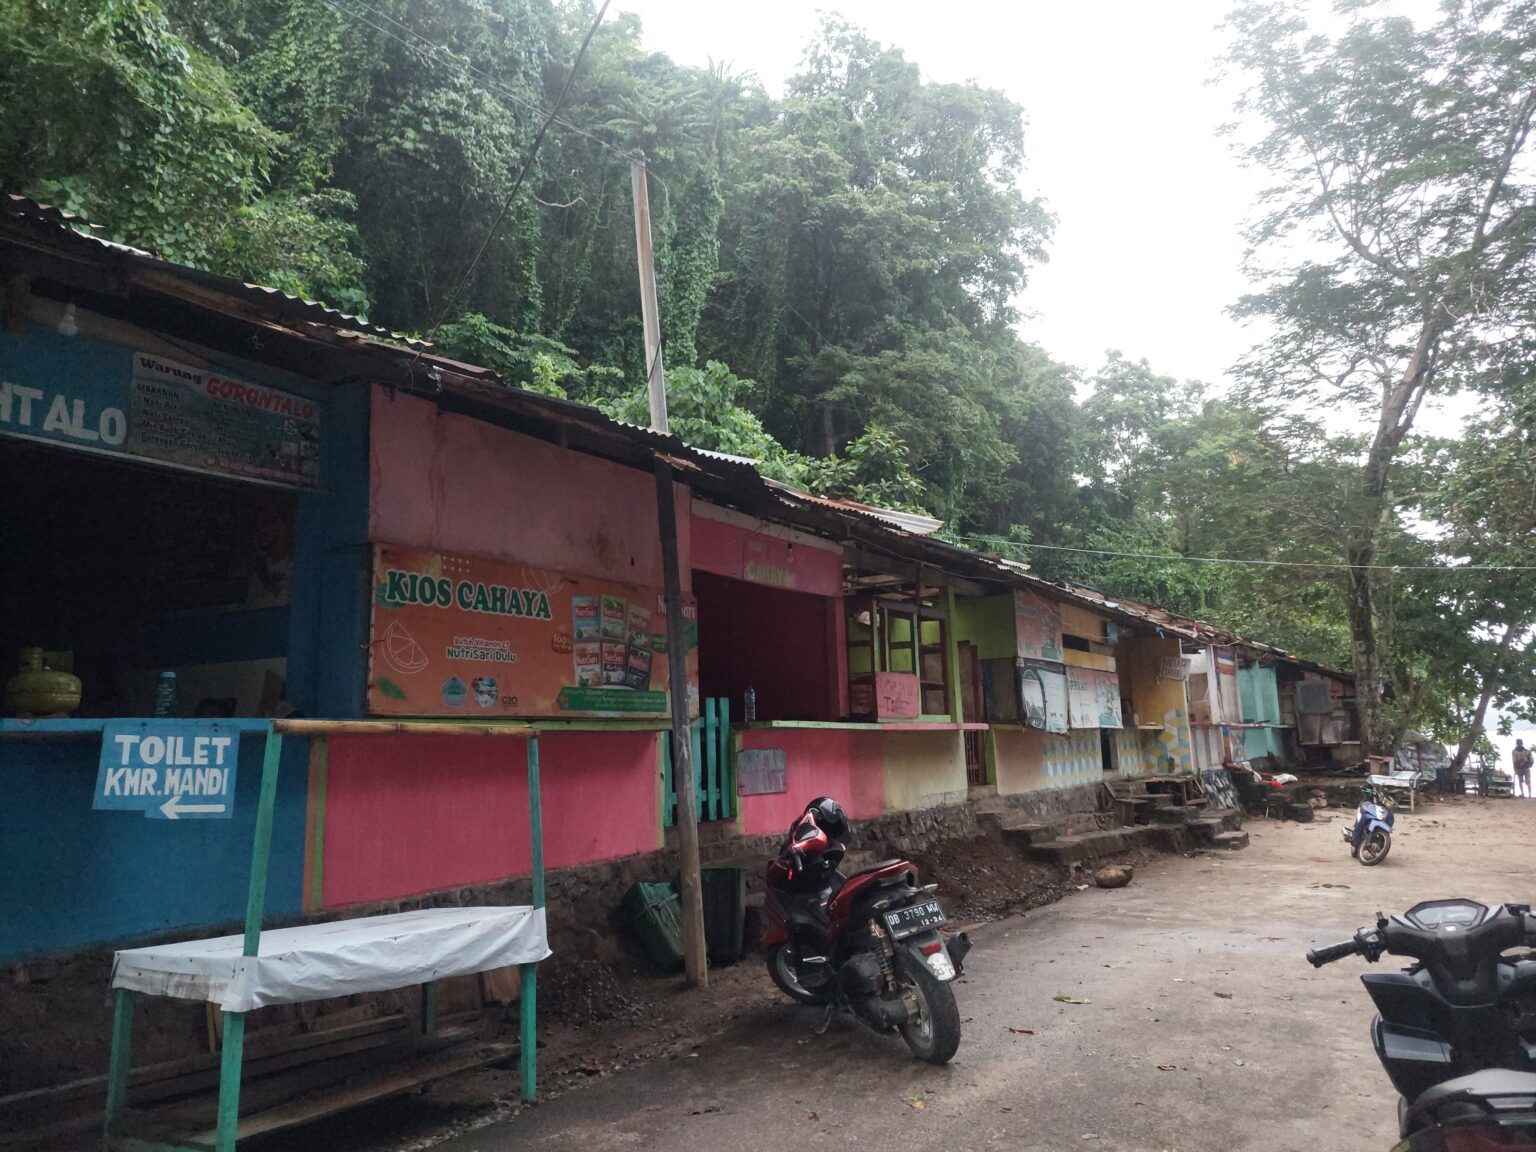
(165,694)
(749,706)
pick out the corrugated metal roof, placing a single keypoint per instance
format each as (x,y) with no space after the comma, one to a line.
(287,304)
(734,475)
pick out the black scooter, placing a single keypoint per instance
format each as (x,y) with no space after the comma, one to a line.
(1456,1030)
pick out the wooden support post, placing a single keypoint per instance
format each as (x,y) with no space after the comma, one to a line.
(528,995)
(535,822)
(122,1059)
(695,959)
(229,1082)
(956,698)
(261,847)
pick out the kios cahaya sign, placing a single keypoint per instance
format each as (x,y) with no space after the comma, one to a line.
(470,636)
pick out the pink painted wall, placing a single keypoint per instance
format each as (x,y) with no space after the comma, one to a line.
(412,814)
(772,641)
(453,484)
(845,764)
(726,550)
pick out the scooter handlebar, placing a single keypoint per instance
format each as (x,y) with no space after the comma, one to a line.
(1317,957)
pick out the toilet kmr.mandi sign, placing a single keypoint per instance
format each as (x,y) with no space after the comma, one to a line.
(168,769)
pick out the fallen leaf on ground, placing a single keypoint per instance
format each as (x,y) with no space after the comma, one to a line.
(1167,1067)
(1006,1108)
(1223,995)
(1022,1031)
(814,1116)
(914,1102)
(1068,1000)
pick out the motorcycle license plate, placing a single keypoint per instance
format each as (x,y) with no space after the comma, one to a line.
(904,922)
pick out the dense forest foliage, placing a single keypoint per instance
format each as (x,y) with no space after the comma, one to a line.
(840,272)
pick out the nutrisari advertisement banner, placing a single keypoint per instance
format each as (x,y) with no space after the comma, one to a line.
(467,636)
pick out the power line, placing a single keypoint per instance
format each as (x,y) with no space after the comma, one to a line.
(1316,564)
(533,151)
(464,65)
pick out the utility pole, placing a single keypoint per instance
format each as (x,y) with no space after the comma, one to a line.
(655,381)
(695,960)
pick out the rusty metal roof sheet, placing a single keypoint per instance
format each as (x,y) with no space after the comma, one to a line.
(726,476)
(75,229)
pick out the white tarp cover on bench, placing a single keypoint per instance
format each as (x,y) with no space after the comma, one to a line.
(340,958)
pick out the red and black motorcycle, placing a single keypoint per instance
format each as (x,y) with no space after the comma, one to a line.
(868,943)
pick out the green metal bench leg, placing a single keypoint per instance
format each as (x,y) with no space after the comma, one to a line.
(229,1082)
(122,1059)
(528,1012)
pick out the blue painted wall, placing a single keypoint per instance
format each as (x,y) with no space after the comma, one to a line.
(333,566)
(73,876)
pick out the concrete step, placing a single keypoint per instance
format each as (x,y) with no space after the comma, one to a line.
(1088,847)
(1204,830)
(1231,841)
(1174,814)
(1023,829)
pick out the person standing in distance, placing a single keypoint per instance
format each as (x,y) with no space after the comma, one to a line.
(1521,759)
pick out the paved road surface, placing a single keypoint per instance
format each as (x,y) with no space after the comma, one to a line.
(1197,965)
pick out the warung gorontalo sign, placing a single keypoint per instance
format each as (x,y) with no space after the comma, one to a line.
(100,398)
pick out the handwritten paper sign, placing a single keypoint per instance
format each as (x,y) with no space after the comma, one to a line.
(897,696)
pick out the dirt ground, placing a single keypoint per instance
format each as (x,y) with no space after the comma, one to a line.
(1202,1028)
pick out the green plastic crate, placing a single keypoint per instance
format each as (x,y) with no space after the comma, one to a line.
(654,912)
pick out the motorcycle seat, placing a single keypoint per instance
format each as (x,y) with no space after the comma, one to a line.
(1486,1093)
(872,868)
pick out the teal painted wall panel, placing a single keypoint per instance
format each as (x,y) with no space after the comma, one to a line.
(74,876)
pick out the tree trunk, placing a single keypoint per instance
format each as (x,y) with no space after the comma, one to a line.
(1490,685)
(1363,651)
(1400,404)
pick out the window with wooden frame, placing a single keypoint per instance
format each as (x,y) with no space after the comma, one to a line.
(898,659)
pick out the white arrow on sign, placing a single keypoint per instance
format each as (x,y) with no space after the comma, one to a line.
(173,808)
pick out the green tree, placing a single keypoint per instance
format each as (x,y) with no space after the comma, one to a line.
(1397,246)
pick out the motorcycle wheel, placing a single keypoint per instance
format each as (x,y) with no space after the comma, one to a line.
(781,967)
(935,1035)
(1374,848)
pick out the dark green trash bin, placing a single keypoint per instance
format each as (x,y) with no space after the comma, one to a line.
(654,912)
(725,912)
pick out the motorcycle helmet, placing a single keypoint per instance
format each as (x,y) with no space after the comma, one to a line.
(830,817)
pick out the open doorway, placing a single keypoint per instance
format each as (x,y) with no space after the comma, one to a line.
(121,572)
(1109,750)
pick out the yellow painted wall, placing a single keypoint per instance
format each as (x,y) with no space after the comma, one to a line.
(1080,659)
(1018,759)
(1077,621)
(1156,701)
(1151,698)
(923,769)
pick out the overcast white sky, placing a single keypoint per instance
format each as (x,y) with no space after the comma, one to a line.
(1121,142)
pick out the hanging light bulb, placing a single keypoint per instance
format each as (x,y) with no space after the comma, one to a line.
(67,325)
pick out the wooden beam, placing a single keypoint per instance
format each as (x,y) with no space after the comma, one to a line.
(695,959)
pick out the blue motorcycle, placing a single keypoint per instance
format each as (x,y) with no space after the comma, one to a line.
(1371,838)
